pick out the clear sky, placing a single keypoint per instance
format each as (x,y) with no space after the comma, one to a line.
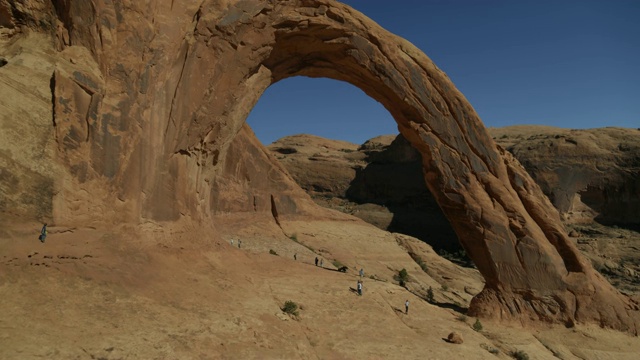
(566,63)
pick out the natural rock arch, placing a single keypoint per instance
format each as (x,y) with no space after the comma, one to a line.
(157,118)
(508,227)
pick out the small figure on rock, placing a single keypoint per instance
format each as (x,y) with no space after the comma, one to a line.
(239,243)
(359,288)
(406,307)
(316,261)
(43,233)
(295,256)
(231,242)
(361,272)
(321,262)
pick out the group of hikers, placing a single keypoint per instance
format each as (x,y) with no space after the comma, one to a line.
(318,262)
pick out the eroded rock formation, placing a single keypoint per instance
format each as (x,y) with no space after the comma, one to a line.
(588,174)
(148,98)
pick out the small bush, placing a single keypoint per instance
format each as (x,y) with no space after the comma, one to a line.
(520,355)
(273,252)
(402,277)
(462,317)
(419,261)
(294,237)
(290,308)
(490,349)
(445,287)
(477,326)
(430,297)
(337,264)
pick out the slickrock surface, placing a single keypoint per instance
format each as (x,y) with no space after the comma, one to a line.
(133,109)
(119,294)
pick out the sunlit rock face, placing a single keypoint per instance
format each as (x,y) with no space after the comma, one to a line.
(135,107)
(589,174)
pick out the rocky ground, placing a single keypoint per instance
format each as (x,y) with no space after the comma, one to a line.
(157,293)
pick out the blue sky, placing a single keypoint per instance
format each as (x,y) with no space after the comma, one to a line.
(566,63)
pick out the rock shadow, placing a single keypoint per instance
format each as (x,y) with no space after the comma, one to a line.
(393,180)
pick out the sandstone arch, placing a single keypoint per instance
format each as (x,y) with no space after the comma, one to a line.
(161,133)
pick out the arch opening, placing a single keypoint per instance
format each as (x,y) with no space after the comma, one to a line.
(376,176)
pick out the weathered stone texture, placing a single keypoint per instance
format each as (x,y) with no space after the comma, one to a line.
(181,77)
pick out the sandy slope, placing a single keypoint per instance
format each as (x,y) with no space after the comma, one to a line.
(99,294)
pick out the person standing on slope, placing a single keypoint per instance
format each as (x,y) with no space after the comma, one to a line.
(43,233)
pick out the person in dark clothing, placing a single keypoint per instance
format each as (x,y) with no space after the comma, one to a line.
(316,261)
(43,233)
(406,307)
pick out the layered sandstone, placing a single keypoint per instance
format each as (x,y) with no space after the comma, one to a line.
(148,98)
(589,174)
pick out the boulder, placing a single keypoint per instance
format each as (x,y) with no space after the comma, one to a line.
(455,338)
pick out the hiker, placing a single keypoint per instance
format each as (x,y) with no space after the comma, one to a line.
(231,242)
(239,243)
(316,261)
(406,307)
(295,256)
(43,233)
(361,272)
(321,262)
(359,288)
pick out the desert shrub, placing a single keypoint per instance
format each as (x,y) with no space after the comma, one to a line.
(445,287)
(458,257)
(423,266)
(477,326)
(430,297)
(337,264)
(519,355)
(290,308)
(294,237)
(402,277)
(490,349)
(419,261)
(462,317)
(272,252)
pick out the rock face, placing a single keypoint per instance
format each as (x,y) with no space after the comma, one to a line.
(587,174)
(148,98)
(380,181)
